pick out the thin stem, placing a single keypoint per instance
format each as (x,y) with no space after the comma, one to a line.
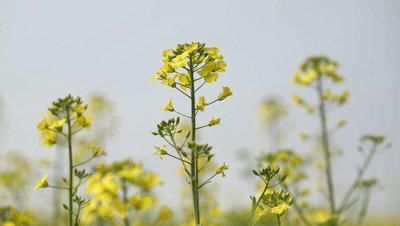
(187,116)
(125,200)
(297,208)
(182,160)
(194,165)
(279,220)
(182,92)
(179,153)
(71,176)
(364,207)
(325,146)
(207,181)
(200,127)
(254,208)
(81,163)
(200,86)
(359,177)
(58,187)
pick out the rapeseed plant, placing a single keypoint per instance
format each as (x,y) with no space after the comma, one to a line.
(187,68)
(66,118)
(272,201)
(319,73)
(118,189)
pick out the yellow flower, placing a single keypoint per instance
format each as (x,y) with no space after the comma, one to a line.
(79,109)
(214,121)
(168,106)
(226,92)
(298,99)
(97,151)
(9,223)
(141,202)
(42,183)
(161,151)
(164,214)
(49,138)
(83,121)
(280,209)
(57,125)
(210,69)
(201,103)
(44,124)
(213,52)
(304,136)
(147,181)
(221,169)
(341,123)
(305,79)
(184,80)
(343,98)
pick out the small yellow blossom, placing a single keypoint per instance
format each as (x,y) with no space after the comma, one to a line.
(164,214)
(161,151)
(57,125)
(214,121)
(226,92)
(49,138)
(79,109)
(304,136)
(83,121)
(201,103)
(298,99)
(341,123)
(44,124)
(280,209)
(221,169)
(97,151)
(141,202)
(42,183)
(168,106)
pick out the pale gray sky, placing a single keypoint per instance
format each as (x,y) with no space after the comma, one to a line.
(51,48)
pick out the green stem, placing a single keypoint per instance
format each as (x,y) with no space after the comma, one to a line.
(253,211)
(279,220)
(71,178)
(194,162)
(297,208)
(125,200)
(325,146)
(359,177)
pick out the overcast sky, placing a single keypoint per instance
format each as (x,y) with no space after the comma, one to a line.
(51,48)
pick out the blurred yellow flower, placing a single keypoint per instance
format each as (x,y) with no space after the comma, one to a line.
(221,169)
(42,183)
(280,209)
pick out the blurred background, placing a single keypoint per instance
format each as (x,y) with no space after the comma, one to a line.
(49,49)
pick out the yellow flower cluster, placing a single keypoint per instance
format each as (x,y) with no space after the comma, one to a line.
(55,123)
(337,98)
(108,184)
(207,61)
(315,67)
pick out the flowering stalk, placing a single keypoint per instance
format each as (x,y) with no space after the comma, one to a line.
(180,70)
(325,146)
(67,118)
(277,201)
